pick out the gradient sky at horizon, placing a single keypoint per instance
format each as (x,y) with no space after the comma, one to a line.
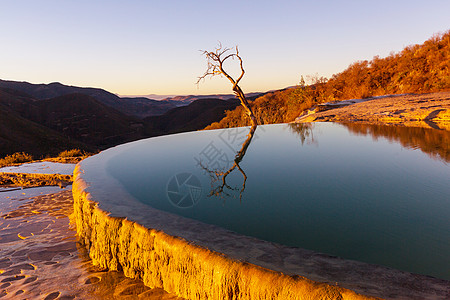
(152,47)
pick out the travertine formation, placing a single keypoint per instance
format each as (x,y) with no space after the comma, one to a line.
(426,110)
(179,266)
(199,261)
(195,260)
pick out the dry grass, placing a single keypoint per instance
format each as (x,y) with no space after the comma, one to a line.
(33,180)
(16,158)
(72,153)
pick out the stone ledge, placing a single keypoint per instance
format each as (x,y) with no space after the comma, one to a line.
(424,110)
(180,267)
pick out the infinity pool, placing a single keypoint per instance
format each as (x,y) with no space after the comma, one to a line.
(349,191)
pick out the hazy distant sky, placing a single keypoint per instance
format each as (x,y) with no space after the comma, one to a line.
(143,47)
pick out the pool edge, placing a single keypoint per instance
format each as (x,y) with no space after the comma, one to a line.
(178,266)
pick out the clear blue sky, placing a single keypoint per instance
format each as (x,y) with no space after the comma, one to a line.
(144,47)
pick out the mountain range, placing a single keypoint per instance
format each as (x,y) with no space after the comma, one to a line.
(140,107)
(44,119)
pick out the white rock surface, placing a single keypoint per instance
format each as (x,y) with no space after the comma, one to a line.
(44,167)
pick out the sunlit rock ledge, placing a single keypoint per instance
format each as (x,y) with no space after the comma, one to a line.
(424,110)
(200,261)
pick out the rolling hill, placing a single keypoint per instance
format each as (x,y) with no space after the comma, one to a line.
(85,119)
(48,126)
(78,118)
(194,116)
(138,107)
(18,134)
(187,99)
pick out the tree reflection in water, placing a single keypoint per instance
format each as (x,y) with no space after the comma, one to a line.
(219,185)
(434,142)
(304,131)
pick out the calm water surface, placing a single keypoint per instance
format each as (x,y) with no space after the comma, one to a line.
(370,193)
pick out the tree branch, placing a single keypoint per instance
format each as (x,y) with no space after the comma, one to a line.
(215,67)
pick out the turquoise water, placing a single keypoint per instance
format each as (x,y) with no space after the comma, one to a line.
(353,192)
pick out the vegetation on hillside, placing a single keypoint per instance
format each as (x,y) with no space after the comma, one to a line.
(416,69)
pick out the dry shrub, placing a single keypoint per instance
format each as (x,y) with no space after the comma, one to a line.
(16,158)
(71,153)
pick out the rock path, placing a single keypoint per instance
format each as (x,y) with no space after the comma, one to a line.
(40,257)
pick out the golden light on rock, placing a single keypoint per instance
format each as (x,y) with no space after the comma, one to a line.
(180,267)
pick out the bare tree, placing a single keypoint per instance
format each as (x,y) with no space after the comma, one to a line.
(216,59)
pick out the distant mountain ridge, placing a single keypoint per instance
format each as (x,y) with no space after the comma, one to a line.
(140,107)
(181,98)
(46,91)
(190,98)
(149,96)
(76,117)
(194,116)
(46,126)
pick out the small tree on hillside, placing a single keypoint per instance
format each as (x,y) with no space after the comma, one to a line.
(216,60)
